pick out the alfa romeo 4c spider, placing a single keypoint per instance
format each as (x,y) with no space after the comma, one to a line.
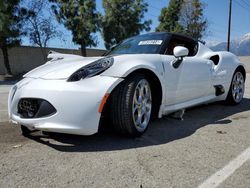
(143,77)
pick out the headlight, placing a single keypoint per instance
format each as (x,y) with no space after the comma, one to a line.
(95,68)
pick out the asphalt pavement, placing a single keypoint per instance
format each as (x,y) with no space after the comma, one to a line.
(210,147)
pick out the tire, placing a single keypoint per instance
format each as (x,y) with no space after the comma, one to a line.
(237,89)
(25,131)
(131,106)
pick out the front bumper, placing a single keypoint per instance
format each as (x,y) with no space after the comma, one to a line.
(76,103)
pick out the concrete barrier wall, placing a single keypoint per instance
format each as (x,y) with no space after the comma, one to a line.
(246,61)
(24,58)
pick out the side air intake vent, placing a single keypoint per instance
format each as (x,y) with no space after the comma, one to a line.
(219,90)
(215,59)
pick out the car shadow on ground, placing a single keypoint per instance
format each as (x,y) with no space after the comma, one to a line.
(160,131)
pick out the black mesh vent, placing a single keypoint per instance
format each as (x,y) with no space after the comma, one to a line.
(35,108)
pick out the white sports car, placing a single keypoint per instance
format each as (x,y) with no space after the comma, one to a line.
(145,76)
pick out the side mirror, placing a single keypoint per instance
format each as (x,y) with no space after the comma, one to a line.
(179,53)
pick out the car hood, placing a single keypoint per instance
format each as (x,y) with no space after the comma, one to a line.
(61,66)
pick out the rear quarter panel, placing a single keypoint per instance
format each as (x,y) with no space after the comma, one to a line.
(223,72)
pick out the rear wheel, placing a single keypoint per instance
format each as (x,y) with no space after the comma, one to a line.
(131,106)
(237,89)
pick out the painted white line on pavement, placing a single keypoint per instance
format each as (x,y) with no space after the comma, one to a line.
(221,175)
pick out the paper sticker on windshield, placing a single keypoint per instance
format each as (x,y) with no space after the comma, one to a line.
(150,42)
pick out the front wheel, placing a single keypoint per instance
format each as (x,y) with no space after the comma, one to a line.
(237,88)
(131,106)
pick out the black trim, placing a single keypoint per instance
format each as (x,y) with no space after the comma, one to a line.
(215,59)
(219,90)
(35,108)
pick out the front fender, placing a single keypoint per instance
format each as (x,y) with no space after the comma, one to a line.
(126,64)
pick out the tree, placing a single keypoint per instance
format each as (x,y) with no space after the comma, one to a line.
(81,18)
(11,22)
(40,27)
(192,19)
(184,17)
(123,19)
(170,16)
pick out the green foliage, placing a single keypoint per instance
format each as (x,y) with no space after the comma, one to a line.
(170,16)
(184,17)
(193,19)
(11,22)
(123,19)
(81,18)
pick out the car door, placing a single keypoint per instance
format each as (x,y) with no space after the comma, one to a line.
(191,80)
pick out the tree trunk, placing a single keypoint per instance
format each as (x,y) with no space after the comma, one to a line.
(6,59)
(43,50)
(83,50)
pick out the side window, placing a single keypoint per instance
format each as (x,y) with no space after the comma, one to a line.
(190,45)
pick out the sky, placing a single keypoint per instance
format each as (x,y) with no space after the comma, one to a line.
(216,12)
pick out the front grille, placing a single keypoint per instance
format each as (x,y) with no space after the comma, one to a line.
(35,108)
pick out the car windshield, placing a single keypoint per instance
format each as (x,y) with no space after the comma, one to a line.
(141,44)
